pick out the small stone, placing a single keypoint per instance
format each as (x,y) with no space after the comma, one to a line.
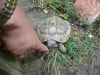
(45,11)
(91,36)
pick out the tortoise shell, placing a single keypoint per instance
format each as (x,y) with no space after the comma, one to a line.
(54,28)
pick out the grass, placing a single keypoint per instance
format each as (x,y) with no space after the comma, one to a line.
(80,46)
(60,6)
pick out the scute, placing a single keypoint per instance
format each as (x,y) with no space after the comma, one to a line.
(54,28)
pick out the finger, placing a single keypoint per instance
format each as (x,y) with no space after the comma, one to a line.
(21,56)
(42,47)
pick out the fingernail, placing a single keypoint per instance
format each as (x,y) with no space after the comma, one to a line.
(46,48)
(21,56)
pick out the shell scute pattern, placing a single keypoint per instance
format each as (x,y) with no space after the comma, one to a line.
(61,30)
(54,28)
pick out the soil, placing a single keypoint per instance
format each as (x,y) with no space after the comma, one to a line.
(35,67)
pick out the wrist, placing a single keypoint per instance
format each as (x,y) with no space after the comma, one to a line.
(8,7)
(16,22)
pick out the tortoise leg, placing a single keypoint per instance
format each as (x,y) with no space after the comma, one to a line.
(61,48)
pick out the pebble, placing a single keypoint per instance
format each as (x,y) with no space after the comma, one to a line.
(45,11)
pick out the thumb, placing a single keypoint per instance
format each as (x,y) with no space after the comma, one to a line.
(42,47)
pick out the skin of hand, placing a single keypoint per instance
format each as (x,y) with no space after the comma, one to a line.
(18,36)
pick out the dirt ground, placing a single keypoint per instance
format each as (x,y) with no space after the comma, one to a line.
(35,67)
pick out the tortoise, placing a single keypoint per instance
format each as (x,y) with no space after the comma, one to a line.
(54,31)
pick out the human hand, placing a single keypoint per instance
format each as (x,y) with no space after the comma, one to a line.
(18,36)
